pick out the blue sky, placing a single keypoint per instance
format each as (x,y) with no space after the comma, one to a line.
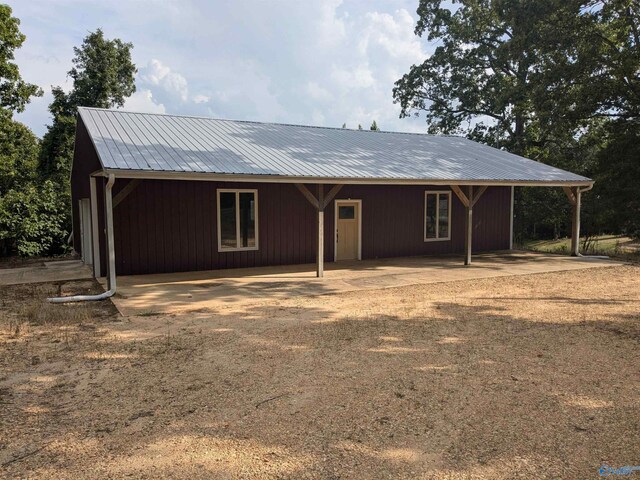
(319,62)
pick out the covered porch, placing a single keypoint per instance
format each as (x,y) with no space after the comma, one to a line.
(218,290)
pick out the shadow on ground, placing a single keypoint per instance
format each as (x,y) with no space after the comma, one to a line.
(474,379)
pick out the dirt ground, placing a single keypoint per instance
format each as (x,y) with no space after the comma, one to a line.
(533,376)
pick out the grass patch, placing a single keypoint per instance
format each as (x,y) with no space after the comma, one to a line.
(43,313)
(617,246)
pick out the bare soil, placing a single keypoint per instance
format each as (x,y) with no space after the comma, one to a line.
(514,377)
(14,261)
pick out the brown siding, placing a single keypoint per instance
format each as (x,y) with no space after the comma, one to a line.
(393,222)
(85,162)
(166,226)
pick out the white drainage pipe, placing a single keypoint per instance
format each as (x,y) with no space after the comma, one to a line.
(111,252)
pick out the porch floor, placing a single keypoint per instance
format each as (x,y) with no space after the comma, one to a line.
(216,290)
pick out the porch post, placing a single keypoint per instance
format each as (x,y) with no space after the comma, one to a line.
(319,204)
(320,255)
(468,200)
(95,239)
(511,220)
(111,249)
(469,229)
(575,224)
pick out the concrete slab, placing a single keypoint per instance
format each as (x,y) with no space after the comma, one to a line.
(220,289)
(54,271)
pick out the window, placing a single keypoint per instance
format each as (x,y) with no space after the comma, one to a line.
(346,212)
(237,220)
(437,216)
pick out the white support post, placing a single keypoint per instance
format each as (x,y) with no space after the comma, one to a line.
(320,256)
(575,231)
(95,239)
(469,229)
(111,255)
(511,220)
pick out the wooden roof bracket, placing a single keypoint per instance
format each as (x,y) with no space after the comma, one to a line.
(122,194)
(460,194)
(323,200)
(570,195)
(476,196)
(319,204)
(308,195)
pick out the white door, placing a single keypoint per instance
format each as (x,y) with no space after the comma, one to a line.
(348,226)
(85,231)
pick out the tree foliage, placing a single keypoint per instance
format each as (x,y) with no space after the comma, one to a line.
(618,179)
(541,79)
(18,154)
(29,211)
(103,76)
(32,220)
(15,93)
(34,176)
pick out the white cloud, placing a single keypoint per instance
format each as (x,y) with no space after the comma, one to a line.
(318,61)
(158,74)
(316,92)
(201,98)
(142,101)
(358,77)
(317,118)
(393,34)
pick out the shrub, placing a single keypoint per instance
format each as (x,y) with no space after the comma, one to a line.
(32,220)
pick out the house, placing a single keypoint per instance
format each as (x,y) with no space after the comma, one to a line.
(165,193)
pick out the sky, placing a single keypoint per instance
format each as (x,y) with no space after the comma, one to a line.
(312,62)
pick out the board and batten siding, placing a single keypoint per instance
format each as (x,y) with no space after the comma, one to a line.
(86,162)
(171,225)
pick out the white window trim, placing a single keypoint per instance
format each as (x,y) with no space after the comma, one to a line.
(437,194)
(237,191)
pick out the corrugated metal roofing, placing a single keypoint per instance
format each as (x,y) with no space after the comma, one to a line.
(169,143)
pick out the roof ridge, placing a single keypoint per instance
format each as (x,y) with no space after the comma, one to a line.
(269,123)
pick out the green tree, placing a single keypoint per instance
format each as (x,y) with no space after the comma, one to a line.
(618,176)
(595,82)
(596,63)
(523,76)
(359,127)
(604,87)
(103,76)
(374,126)
(29,209)
(15,93)
(344,125)
(483,76)
(32,220)
(18,154)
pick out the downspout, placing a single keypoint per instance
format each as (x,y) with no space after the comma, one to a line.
(579,192)
(111,254)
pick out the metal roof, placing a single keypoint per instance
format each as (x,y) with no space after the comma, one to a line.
(147,143)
